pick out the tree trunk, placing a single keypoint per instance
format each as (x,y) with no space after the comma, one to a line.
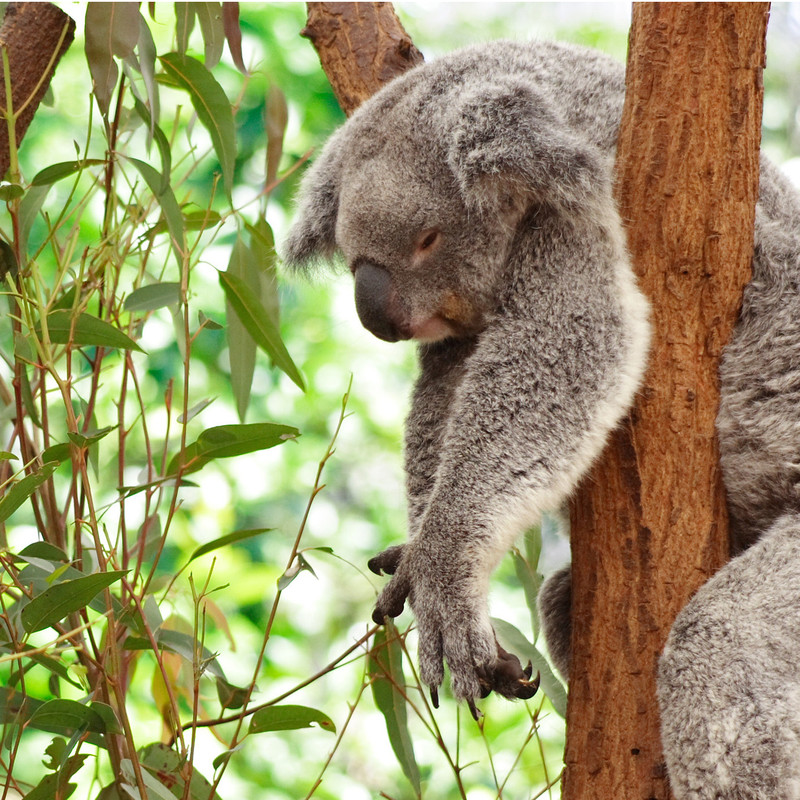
(35,35)
(649,525)
(361,46)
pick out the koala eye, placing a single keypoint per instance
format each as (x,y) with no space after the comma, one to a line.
(428,240)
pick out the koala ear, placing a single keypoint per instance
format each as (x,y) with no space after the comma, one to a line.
(509,145)
(311,238)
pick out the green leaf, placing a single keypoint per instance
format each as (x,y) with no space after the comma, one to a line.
(288,718)
(162,143)
(10,191)
(112,29)
(20,491)
(224,541)
(192,412)
(46,551)
(212,106)
(226,441)
(147,67)
(262,245)
(241,345)
(184,23)
(300,565)
(181,644)
(51,664)
(29,208)
(6,456)
(255,318)
(57,452)
(230,696)
(156,295)
(55,172)
(276,117)
(67,716)
(209,15)
(385,668)
(84,330)
(63,598)
(88,439)
(164,763)
(515,641)
(169,205)
(8,261)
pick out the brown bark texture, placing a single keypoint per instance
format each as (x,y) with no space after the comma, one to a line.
(649,524)
(361,46)
(35,35)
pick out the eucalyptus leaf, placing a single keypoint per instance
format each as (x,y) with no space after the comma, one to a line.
(226,441)
(63,598)
(289,718)
(212,106)
(84,330)
(153,296)
(21,490)
(255,317)
(209,15)
(224,541)
(55,172)
(233,33)
(241,345)
(385,668)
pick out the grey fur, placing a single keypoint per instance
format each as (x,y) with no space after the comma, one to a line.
(471,198)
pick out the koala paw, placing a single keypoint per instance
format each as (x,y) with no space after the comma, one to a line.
(453,626)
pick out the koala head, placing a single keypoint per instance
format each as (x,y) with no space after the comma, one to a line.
(422,192)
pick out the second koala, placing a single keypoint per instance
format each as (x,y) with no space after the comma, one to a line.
(471,199)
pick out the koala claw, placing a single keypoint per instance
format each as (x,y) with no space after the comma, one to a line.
(474,710)
(391,600)
(434,696)
(387,561)
(507,677)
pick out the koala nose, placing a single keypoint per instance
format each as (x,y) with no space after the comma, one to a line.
(376,303)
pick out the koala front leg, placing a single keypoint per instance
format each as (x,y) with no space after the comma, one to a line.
(442,366)
(526,419)
(729,678)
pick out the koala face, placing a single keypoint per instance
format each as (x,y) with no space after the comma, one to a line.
(419,273)
(422,191)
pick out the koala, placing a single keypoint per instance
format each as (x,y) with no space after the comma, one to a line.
(471,198)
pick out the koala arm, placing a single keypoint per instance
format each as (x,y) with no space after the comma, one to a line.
(547,379)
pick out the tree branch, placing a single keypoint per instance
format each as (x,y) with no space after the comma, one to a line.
(35,35)
(361,47)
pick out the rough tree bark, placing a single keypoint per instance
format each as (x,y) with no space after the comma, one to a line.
(35,35)
(361,47)
(649,524)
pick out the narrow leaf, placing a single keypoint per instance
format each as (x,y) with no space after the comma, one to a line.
(147,64)
(241,345)
(223,541)
(55,172)
(226,441)
(255,318)
(276,118)
(85,330)
(184,23)
(169,205)
(212,106)
(192,412)
(156,295)
(66,716)
(20,491)
(63,598)
(233,33)
(385,667)
(209,15)
(112,29)
(289,718)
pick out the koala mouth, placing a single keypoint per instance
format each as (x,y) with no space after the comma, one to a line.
(433,329)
